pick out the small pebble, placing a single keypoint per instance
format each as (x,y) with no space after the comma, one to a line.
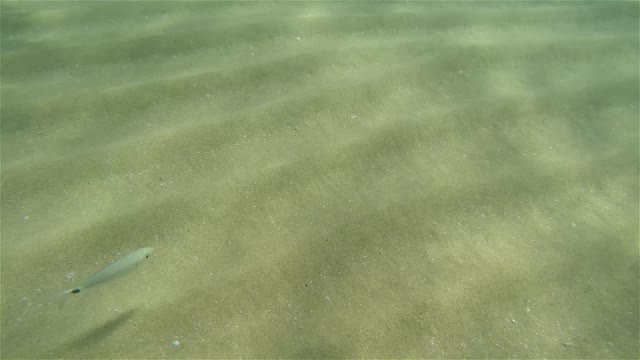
(175,343)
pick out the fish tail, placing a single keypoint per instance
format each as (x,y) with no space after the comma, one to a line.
(61,298)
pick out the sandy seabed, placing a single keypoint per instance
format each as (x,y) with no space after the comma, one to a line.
(321,180)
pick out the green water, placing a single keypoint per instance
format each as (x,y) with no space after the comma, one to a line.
(321,179)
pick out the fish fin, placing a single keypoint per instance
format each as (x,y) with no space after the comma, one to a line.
(59,299)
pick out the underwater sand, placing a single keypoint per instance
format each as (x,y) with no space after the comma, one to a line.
(321,180)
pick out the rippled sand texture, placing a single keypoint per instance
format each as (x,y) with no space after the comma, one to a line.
(318,179)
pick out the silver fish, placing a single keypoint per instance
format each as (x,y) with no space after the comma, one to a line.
(113,270)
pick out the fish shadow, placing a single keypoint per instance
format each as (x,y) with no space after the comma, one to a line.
(100,333)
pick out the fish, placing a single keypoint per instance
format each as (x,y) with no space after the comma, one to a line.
(112,271)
